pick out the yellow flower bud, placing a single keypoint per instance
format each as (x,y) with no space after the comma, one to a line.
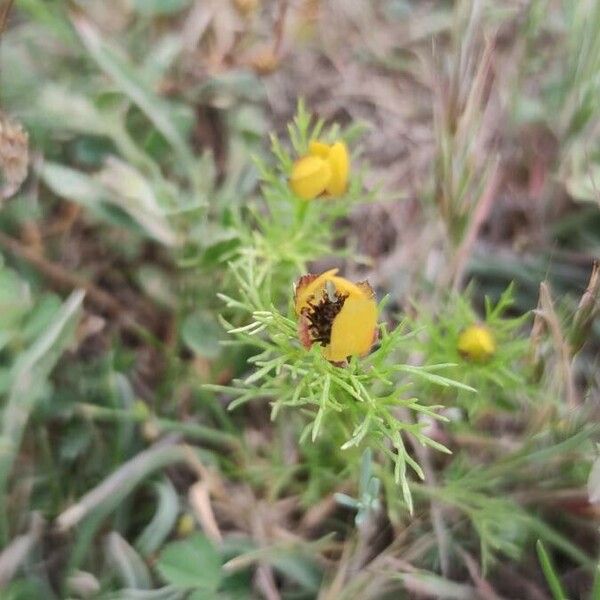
(476,343)
(337,313)
(339,163)
(186,525)
(320,149)
(310,176)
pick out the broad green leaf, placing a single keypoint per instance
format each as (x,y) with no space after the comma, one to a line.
(117,184)
(157,284)
(201,333)
(66,110)
(128,79)
(191,563)
(81,188)
(131,191)
(15,298)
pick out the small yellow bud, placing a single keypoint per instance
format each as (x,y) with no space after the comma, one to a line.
(310,176)
(476,343)
(186,525)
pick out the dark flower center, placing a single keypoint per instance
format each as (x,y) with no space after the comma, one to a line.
(321,315)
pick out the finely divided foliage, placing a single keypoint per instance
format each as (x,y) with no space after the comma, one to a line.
(361,399)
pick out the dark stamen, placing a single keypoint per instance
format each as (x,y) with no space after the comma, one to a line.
(321,316)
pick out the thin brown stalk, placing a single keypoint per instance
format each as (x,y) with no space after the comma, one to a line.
(561,345)
(265,580)
(484,589)
(280,27)
(480,214)
(64,280)
(4,15)
(61,277)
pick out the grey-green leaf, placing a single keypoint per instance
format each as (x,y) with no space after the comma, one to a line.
(191,563)
(155,533)
(132,570)
(202,334)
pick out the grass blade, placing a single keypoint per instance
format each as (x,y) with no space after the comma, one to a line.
(27,379)
(549,572)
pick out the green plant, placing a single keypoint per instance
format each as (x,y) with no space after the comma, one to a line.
(360,401)
(502,379)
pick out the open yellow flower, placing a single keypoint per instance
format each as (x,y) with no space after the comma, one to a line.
(476,343)
(336,313)
(324,170)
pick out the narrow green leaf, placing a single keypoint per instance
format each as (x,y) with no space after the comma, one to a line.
(130,567)
(165,516)
(549,572)
(131,84)
(28,378)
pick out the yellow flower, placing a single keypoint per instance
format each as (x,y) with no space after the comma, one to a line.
(324,170)
(476,343)
(338,314)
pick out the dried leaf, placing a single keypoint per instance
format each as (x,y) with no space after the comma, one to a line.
(200,502)
(14,156)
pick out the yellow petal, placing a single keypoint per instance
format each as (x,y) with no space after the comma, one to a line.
(339,162)
(310,176)
(320,149)
(311,287)
(476,343)
(353,330)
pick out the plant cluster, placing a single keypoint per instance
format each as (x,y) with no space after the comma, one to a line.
(206,390)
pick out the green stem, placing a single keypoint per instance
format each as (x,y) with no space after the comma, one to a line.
(302,207)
